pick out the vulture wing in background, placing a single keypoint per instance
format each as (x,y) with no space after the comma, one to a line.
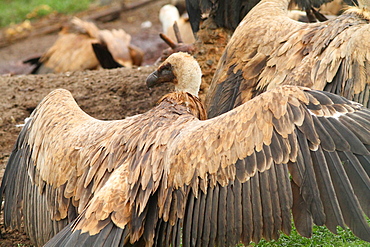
(219,20)
(268,50)
(105,58)
(228,14)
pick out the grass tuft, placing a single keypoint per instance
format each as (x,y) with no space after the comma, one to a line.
(16,11)
(321,237)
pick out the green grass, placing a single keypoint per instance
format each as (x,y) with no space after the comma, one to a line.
(16,11)
(321,237)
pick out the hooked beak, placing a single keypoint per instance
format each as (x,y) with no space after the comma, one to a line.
(152,79)
(160,76)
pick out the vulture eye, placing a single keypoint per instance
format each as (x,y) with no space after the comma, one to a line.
(163,74)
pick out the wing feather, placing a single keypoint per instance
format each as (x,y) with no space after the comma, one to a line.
(221,217)
(275,203)
(340,142)
(266,202)
(215,213)
(327,193)
(301,215)
(285,197)
(195,221)
(358,178)
(308,187)
(206,231)
(359,130)
(350,208)
(230,215)
(257,219)
(247,212)
(355,143)
(188,221)
(237,189)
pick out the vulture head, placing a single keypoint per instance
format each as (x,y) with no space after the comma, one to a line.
(182,70)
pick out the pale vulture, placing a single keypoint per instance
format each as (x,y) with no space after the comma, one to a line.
(168,176)
(168,15)
(267,51)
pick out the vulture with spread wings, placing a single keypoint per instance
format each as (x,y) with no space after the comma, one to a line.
(213,22)
(168,176)
(267,51)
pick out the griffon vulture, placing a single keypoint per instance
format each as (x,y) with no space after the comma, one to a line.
(267,51)
(213,22)
(168,176)
(83,46)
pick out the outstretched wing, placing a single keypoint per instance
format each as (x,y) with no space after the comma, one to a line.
(61,158)
(271,50)
(331,56)
(226,179)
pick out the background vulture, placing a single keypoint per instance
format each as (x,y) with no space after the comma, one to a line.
(213,22)
(83,46)
(228,14)
(267,51)
(169,14)
(167,176)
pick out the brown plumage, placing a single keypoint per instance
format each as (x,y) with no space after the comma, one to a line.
(214,21)
(73,50)
(167,177)
(269,50)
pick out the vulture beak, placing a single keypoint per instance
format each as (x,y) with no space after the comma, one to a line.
(161,75)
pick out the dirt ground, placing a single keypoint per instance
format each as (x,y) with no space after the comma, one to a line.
(104,94)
